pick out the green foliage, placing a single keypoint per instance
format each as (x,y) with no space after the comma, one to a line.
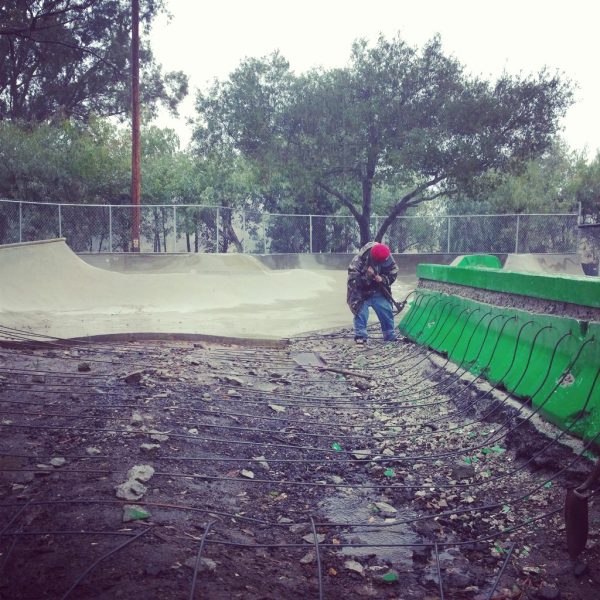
(60,59)
(395,117)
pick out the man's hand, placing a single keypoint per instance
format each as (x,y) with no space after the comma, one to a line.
(371,275)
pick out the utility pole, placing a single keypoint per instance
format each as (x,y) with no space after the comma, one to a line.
(136,179)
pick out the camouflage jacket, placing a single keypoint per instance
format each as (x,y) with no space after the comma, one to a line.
(360,286)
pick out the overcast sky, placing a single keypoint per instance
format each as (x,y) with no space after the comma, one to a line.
(207,40)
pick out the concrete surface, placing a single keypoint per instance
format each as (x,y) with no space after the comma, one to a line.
(47,289)
(566,264)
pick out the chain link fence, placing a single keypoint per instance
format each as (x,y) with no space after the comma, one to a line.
(194,228)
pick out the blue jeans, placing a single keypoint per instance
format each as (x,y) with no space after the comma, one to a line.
(383,309)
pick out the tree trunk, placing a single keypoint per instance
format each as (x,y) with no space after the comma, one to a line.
(187,241)
(364,222)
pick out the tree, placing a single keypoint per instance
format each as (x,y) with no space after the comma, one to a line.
(393,117)
(71,59)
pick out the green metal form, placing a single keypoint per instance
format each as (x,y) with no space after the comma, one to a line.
(549,360)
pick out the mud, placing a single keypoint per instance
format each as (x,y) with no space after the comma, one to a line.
(252,448)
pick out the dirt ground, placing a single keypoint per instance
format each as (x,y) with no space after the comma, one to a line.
(315,470)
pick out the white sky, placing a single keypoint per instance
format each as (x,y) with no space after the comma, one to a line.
(207,40)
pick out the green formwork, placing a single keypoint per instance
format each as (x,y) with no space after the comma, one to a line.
(551,361)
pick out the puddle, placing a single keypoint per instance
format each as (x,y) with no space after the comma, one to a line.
(357,509)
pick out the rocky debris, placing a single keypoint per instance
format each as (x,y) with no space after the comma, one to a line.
(92,451)
(277,408)
(262,461)
(158,436)
(308,558)
(59,461)
(206,564)
(310,538)
(355,566)
(149,447)
(384,507)
(141,472)
(133,489)
(462,470)
(84,367)
(133,378)
(247,473)
(361,454)
(232,380)
(137,418)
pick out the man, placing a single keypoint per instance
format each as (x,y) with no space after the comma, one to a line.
(370,275)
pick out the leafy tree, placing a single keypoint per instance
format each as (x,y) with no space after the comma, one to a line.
(393,117)
(587,190)
(71,59)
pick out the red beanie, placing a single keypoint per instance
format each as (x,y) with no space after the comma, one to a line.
(380,252)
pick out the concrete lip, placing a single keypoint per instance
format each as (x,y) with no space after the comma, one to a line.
(49,290)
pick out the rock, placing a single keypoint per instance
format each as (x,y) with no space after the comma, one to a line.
(136,417)
(298,527)
(131,490)
(310,538)
(277,408)
(133,512)
(386,508)
(193,431)
(140,472)
(361,454)
(133,378)
(337,479)
(206,564)
(57,462)
(158,436)
(309,557)
(461,470)
(84,367)
(264,387)
(283,520)
(233,380)
(352,565)
(262,462)
(388,452)
(149,447)
(248,474)
(92,451)
(233,394)
(549,592)
(38,379)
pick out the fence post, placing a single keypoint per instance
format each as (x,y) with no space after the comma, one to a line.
(448,236)
(59,221)
(110,241)
(264,235)
(310,233)
(376,226)
(174,229)
(217,228)
(243,231)
(20,222)
(517,235)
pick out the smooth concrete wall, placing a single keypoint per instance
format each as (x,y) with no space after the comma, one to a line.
(186,263)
